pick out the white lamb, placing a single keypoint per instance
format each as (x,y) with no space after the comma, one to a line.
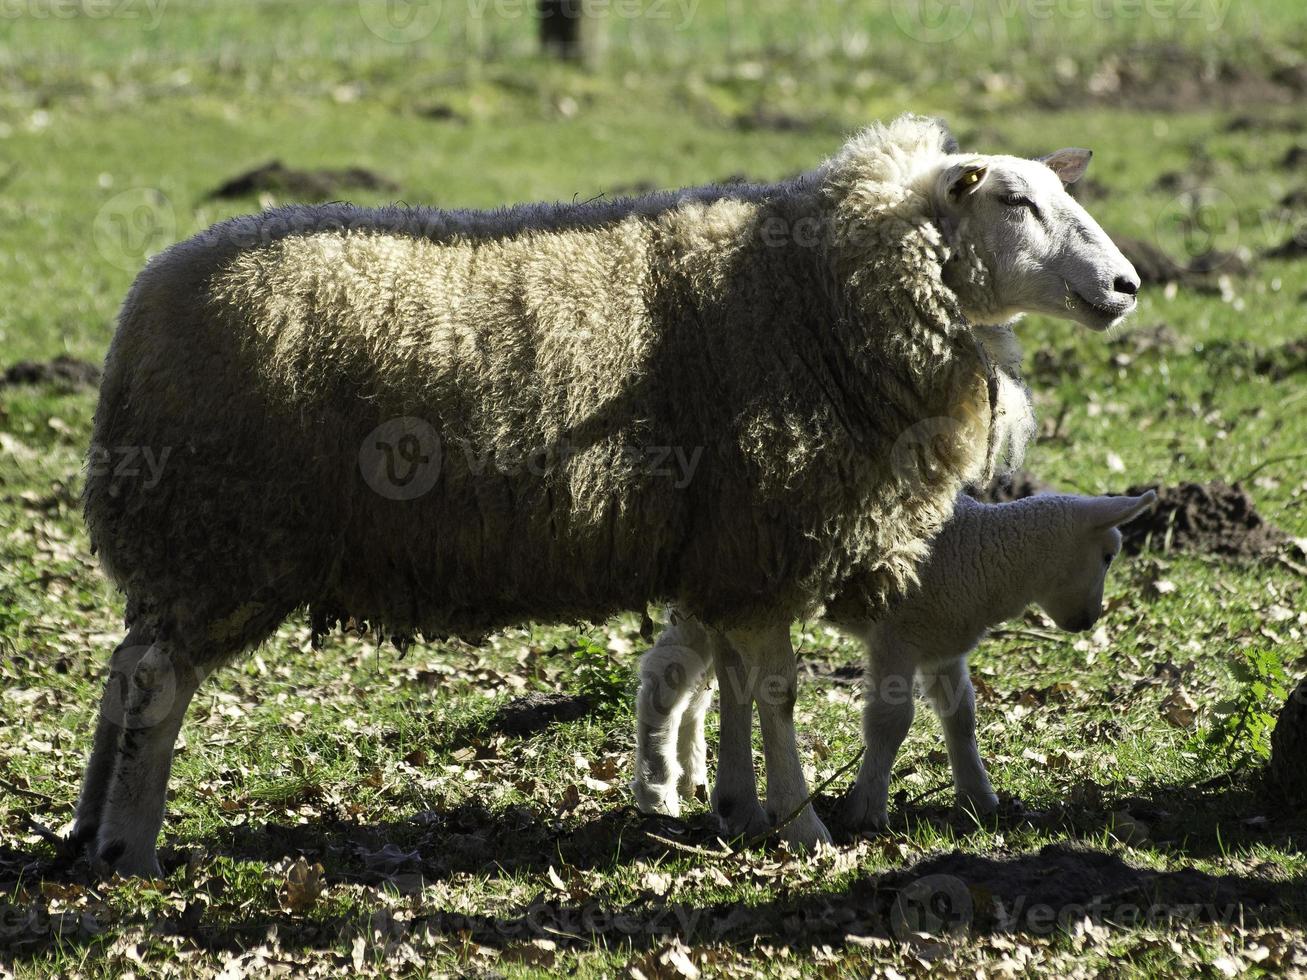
(988,563)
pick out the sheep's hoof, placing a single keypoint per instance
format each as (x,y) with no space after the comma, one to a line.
(656,798)
(805,831)
(739,818)
(980,804)
(117,856)
(859,811)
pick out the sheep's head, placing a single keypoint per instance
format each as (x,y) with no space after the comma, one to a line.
(1024,245)
(1072,590)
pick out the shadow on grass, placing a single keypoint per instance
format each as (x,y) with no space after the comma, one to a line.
(956,894)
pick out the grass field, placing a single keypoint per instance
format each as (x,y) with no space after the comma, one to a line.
(445,844)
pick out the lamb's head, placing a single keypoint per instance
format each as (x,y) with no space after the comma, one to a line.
(1024,245)
(1072,591)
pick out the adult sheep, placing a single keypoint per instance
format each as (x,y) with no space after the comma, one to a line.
(447,422)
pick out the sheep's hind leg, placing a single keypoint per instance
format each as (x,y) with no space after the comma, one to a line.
(886,717)
(735,791)
(949,688)
(671,679)
(147,707)
(774,683)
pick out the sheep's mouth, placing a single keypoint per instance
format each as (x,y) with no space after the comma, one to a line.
(1106,315)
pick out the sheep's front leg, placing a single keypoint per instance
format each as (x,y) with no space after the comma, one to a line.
(948,686)
(735,792)
(769,659)
(886,717)
(108,738)
(672,679)
(146,706)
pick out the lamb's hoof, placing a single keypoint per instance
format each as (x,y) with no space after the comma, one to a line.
(693,786)
(656,798)
(741,819)
(858,811)
(805,831)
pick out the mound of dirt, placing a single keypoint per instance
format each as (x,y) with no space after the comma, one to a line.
(1169,77)
(63,370)
(535,712)
(1295,157)
(1215,518)
(1155,267)
(304,185)
(1154,337)
(1293,247)
(1015,486)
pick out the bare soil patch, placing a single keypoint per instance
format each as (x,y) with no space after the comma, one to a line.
(63,370)
(306,185)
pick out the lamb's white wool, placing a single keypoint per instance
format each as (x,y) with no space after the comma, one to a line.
(987,564)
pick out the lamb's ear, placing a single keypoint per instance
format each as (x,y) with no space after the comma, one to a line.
(1105,512)
(1069,164)
(965,179)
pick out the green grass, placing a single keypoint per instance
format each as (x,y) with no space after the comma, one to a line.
(112,133)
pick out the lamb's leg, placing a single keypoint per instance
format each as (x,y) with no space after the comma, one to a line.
(948,685)
(691,747)
(672,673)
(735,792)
(886,717)
(770,661)
(148,708)
(108,732)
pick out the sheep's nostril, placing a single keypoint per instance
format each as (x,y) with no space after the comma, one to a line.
(1122,284)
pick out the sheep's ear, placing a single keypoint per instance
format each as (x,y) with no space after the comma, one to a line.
(1069,164)
(1105,512)
(965,179)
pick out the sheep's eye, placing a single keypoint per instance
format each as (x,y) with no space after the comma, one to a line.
(1018,201)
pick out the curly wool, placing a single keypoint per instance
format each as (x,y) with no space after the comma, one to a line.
(793,333)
